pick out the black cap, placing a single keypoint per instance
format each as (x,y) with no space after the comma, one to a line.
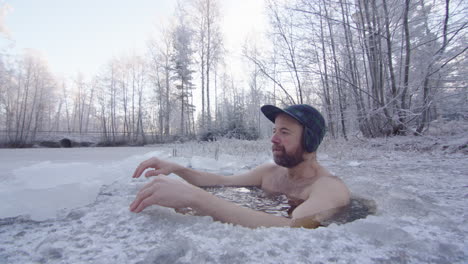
(308,116)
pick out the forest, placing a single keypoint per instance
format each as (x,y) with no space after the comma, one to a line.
(374,68)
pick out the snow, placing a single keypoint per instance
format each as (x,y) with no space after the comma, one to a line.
(71,206)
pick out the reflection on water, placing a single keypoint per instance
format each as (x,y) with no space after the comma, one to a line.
(253,198)
(256,199)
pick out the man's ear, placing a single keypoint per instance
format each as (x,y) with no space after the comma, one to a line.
(309,145)
(306,139)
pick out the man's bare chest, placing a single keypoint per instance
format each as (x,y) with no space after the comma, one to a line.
(296,191)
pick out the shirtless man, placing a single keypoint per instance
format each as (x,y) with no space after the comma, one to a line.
(310,188)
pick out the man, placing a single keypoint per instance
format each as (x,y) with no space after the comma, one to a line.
(310,188)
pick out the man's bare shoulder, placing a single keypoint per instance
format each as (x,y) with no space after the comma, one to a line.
(331,181)
(269,166)
(268,173)
(333,187)
(327,178)
(268,170)
(253,177)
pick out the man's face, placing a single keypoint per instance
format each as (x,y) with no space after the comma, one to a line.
(287,144)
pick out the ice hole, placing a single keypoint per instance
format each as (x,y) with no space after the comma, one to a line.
(256,199)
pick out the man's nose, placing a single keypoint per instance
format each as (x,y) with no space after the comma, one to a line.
(275,139)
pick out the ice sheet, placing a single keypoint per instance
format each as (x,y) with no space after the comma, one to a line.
(81,199)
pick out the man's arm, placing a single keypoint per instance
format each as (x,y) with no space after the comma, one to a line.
(173,193)
(199,178)
(327,196)
(176,194)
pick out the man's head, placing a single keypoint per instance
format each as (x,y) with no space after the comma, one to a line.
(298,128)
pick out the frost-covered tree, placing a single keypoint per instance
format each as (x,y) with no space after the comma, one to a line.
(182,59)
(28,102)
(160,73)
(383,67)
(207,34)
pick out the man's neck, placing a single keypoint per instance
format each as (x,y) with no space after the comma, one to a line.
(307,169)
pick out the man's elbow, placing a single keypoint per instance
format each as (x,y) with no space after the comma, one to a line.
(305,222)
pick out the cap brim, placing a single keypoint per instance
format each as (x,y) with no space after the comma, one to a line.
(271,112)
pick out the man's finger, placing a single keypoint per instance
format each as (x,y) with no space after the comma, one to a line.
(142,195)
(142,205)
(141,168)
(154,173)
(146,187)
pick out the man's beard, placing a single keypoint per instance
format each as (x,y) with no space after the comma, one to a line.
(288,160)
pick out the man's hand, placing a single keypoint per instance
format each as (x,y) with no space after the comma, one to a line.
(159,166)
(166,192)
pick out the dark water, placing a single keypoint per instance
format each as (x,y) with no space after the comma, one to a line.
(358,208)
(256,199)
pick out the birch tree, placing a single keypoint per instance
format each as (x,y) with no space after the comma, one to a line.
(161,54)
(209,49)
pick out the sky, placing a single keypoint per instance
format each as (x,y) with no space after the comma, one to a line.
(82,36)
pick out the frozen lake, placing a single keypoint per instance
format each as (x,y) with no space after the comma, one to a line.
(71,206)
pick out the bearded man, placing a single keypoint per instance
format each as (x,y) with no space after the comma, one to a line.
(313,193)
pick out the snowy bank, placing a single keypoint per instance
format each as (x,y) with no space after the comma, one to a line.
(71,206)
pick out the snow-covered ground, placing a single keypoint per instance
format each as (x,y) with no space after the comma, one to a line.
(71,206)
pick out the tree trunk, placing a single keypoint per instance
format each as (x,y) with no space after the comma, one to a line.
(208,64)
(427,91)
(326,84)
(398,128)
(337,73)
(406,74)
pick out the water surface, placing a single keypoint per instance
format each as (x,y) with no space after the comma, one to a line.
(255,198)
